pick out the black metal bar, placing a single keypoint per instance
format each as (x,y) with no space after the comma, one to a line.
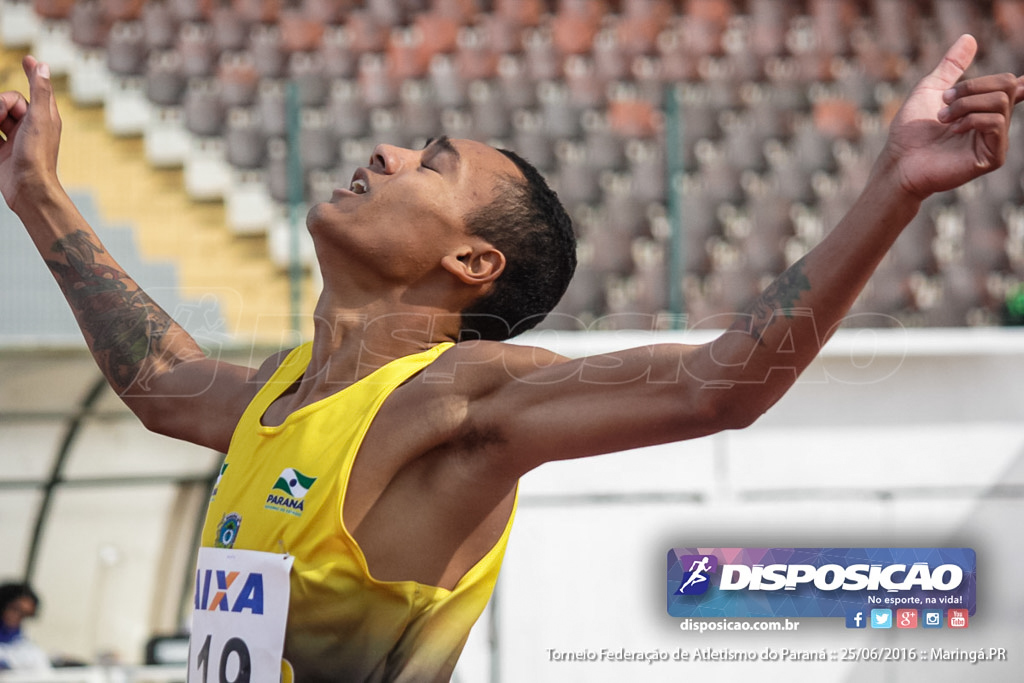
(70,435)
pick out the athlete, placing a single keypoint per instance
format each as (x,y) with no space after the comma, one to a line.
(377,465)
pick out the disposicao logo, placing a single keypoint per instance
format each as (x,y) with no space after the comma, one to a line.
(295,485)
(818,582)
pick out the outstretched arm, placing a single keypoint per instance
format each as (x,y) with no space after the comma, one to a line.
(947,133)
(148,359)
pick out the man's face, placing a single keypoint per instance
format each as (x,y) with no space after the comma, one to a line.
(408,207)
(18,610)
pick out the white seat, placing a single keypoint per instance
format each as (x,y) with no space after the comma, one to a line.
(126,108)
(207,172)
(52,44)
(19,24)
(166,142)
(248,206)
(88,78)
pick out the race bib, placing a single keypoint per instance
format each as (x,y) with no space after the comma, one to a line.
(239,616)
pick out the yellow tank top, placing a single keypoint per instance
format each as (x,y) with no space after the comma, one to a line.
(282,489)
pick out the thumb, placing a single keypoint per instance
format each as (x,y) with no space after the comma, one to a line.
(40,88)
(956,60)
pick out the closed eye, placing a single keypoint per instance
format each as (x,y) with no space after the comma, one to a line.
(442,150)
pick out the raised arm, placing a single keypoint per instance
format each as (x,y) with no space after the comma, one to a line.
(149,360)
(947,133)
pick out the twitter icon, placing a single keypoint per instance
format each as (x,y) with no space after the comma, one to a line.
(881,618)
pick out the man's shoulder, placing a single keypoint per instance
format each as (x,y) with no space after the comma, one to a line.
(481,362)
(270,365)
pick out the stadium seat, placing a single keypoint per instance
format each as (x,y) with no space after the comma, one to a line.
(339,57)
(420,115)
(197,49)
(245,139)
(350,116)
(781,109)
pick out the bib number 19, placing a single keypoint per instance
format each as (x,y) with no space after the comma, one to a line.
(234,655)
(239,616)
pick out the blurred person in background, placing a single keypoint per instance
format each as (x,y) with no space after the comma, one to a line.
(17,653)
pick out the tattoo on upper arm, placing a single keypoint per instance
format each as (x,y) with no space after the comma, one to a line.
(782,295)
(124,325)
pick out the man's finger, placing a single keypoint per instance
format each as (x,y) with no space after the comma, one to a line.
(12,109)
(968,101)
(7,126)
(1019,94)
(955,61)
(12,105)
(40,89)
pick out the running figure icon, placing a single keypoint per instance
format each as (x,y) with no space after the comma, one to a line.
(698,573)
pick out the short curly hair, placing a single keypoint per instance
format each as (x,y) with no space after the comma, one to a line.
(528,224)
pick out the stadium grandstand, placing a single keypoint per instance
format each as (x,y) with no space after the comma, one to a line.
(701,147)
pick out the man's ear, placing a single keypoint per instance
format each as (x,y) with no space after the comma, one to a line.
(475,265)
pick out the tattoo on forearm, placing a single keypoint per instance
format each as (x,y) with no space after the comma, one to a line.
(125,326)
(782,295)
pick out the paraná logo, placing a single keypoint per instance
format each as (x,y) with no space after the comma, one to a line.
(294,483)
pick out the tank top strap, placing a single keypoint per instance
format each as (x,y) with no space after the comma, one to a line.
(401,369)
(296,362)
(285,375)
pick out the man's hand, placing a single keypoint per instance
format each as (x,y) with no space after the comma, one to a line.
(28,155)
(948,133)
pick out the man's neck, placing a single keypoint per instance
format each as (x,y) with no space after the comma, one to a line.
(350,342)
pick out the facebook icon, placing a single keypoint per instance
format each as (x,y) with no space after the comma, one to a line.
(856,619)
